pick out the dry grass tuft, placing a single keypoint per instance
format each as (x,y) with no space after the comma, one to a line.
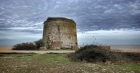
(94,53)
(58,63)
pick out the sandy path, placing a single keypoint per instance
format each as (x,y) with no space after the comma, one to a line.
(5,50)
(35,51)
(131,51)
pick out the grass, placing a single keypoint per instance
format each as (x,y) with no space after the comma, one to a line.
(58,63)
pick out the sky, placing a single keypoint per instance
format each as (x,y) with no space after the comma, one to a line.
(111,22)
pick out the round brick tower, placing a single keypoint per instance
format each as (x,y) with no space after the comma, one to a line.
(59,33)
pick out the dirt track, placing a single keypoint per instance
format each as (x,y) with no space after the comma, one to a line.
(5,50)
(35,51)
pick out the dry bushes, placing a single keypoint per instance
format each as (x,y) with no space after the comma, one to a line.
(25,46)
(94,53)
(135,57)
(28,46)
(38,43)
(90,53)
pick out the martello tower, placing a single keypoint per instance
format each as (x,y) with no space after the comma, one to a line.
(59,33)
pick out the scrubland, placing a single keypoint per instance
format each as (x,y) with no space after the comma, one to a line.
(88,59)
(59,63)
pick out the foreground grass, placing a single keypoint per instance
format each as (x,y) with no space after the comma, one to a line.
(58,63)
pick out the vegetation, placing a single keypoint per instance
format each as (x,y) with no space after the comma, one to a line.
(25,46)
(94,53)
(33,46)
(58,63)
(38,43)
(66,48)
(28,46)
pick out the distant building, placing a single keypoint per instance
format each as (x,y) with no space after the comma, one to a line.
(59,33)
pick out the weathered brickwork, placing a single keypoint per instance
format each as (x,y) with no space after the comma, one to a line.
(59,33)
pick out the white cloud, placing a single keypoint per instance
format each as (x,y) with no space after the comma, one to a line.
(109,11)
(118,6)
(23,28)
(20,34)
(110,37)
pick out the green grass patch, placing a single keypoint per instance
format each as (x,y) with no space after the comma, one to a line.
(58,63)
(133,67)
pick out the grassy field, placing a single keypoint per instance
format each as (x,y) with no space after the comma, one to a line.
(58,63)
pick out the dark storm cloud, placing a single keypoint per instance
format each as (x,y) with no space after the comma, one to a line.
(26,30)
(88,14)
(11,36)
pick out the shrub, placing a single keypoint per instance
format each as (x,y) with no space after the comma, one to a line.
(133,56)
(38,43)
(94,53)
(25,46)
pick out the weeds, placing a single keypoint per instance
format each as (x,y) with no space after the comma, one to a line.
(24,46)
(58,63)
(38,43)
(94,53)
(34,46)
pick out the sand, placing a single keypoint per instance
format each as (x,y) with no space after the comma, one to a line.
(9,50)
(130,51)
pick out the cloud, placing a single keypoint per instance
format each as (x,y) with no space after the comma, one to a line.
(22,29)
(19,35)
(112,37)
(106,14)
(23,19)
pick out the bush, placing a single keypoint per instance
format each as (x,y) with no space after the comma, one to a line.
(25,46)
(91,53)
(38,43)
(133,56)
(94,53)
(28,46)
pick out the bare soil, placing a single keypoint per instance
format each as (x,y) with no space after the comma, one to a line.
(8,50)
(137,51)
